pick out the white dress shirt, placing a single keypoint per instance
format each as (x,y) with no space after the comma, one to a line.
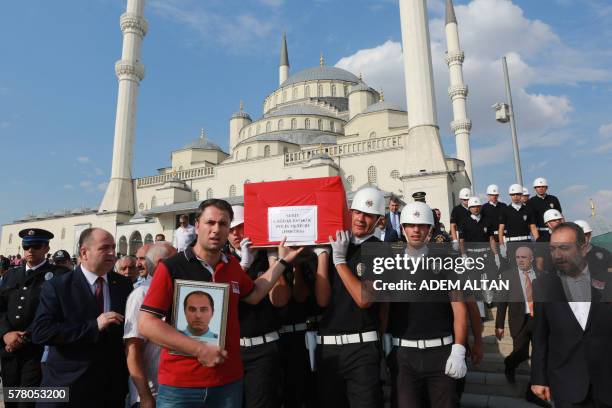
(29,268)
(532,276)
(578,288)
(183,237)
(91,279)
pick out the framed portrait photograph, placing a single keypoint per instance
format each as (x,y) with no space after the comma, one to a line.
(200,310)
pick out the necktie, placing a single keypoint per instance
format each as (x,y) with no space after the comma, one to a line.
(100,294)
(529,292)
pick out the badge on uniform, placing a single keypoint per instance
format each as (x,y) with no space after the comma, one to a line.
(597,284)
(552,205)
(361,269)
(599,255)
(235,287)
(485,230)
(48,275)
(524,217)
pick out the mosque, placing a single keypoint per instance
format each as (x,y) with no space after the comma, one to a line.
(320,121)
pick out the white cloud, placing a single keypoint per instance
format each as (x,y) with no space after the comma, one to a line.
(98,171)
(102,186)
(83,159)
(574,189)
(605,130)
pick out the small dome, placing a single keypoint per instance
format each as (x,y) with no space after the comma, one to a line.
(241,115)
(202,142)
(361,86)
(383,105)
(321,73)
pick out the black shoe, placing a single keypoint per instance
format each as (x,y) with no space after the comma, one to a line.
(510,374)
(531,397)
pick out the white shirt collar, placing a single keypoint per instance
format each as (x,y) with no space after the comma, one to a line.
(531,272)
(493,204)
(33,268)
(415,253)
(542,196)
(359,240)
(476,217)
(517,206)
(92,277)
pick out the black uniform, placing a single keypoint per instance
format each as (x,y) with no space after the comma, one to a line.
(599,260)
(476,235)
(262,363)
(539,205)
(19,297)
(417,374)
(458,214)
(492,212)
(348,374)
(517,222)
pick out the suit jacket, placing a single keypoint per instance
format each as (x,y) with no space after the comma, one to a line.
(566,357)
(509,302)
(390,233)
(66,320)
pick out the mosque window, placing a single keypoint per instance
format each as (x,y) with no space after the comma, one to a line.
(293,123)
(153,202)
(249,152)
(372,175)
(332,125)
(295,93)
(345,91)
(395,174)
(280,124)
(196,195)
(285,150)
(307,91)
(284,96)
(232,192)
(350,180)
(320,124)
(372,135)
(148,239)
(209,193)
(333,90)
(267,151)
(268,127)
(63,234)
(141,206)
(307,123)
(10,238)
(257,129)
(320,90)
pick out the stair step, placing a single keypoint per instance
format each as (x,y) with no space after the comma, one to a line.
(495,384)
(494,363)
(469,400)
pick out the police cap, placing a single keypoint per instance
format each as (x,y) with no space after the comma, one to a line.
(33,235)
(61,256)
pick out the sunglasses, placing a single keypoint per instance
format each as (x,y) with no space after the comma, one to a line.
(32,246)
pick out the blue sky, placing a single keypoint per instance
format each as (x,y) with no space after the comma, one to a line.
(58,87)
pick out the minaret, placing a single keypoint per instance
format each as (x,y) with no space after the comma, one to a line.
(423,150)
(283,68)
(458,91)
(119,196)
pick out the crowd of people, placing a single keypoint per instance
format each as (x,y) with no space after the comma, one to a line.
(301,327)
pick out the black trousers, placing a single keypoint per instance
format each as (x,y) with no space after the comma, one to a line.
(21,370)
(349,375)
(520,344)
(262,375)
(417,376)
(299,382)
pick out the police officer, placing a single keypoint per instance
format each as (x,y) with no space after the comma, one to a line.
(61,258)
(348,348)
(543,260)
(428,336)
(492,209)
(19,297)
(477,238)
(525,196)
(259,323)
(540,203)
(458,214)
(598,258)
(516,222)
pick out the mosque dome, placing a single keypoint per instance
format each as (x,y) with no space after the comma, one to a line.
(203,143)
(321,73)
(383,105)
(361,86)
(241,114)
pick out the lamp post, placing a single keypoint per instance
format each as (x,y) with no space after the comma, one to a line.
(504,113)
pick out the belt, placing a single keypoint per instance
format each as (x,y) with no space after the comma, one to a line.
(291,328)
(523,238)
(546,229)
(348,338)
(423,344)
(496,232)
(259,340)
(478,249)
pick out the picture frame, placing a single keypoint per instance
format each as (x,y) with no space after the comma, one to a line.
(199,311)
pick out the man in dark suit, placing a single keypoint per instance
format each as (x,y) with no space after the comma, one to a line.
(80,316)
(572,341)
(517,303)
(392,221)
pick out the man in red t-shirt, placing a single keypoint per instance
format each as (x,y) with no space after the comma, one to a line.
(212,377)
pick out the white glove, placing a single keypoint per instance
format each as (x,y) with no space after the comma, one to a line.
(497,261)
(503,250)
(340,246)
(319,250)
(455,245)
(246,253)
(455,365)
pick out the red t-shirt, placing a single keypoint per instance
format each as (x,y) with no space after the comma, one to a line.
(182,371)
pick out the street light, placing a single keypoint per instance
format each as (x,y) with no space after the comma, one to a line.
(504,113)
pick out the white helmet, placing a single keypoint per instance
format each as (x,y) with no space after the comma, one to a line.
(493,189)
(540,182)
(417,213)
(465,193)
(238,216)
(473,202)
(525,191)
(584,225)
(369,200)
(515,189)
(551,215)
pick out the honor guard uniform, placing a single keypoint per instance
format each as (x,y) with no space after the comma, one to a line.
(19,298)
(598,258)
(476,235)
(516,223)
(348,348)
(492,209)
(543,260)
(427,355)
(525,196)
(540,203)
(259,325)
(458,214)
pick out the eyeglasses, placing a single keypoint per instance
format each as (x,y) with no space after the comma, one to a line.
(32,246)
